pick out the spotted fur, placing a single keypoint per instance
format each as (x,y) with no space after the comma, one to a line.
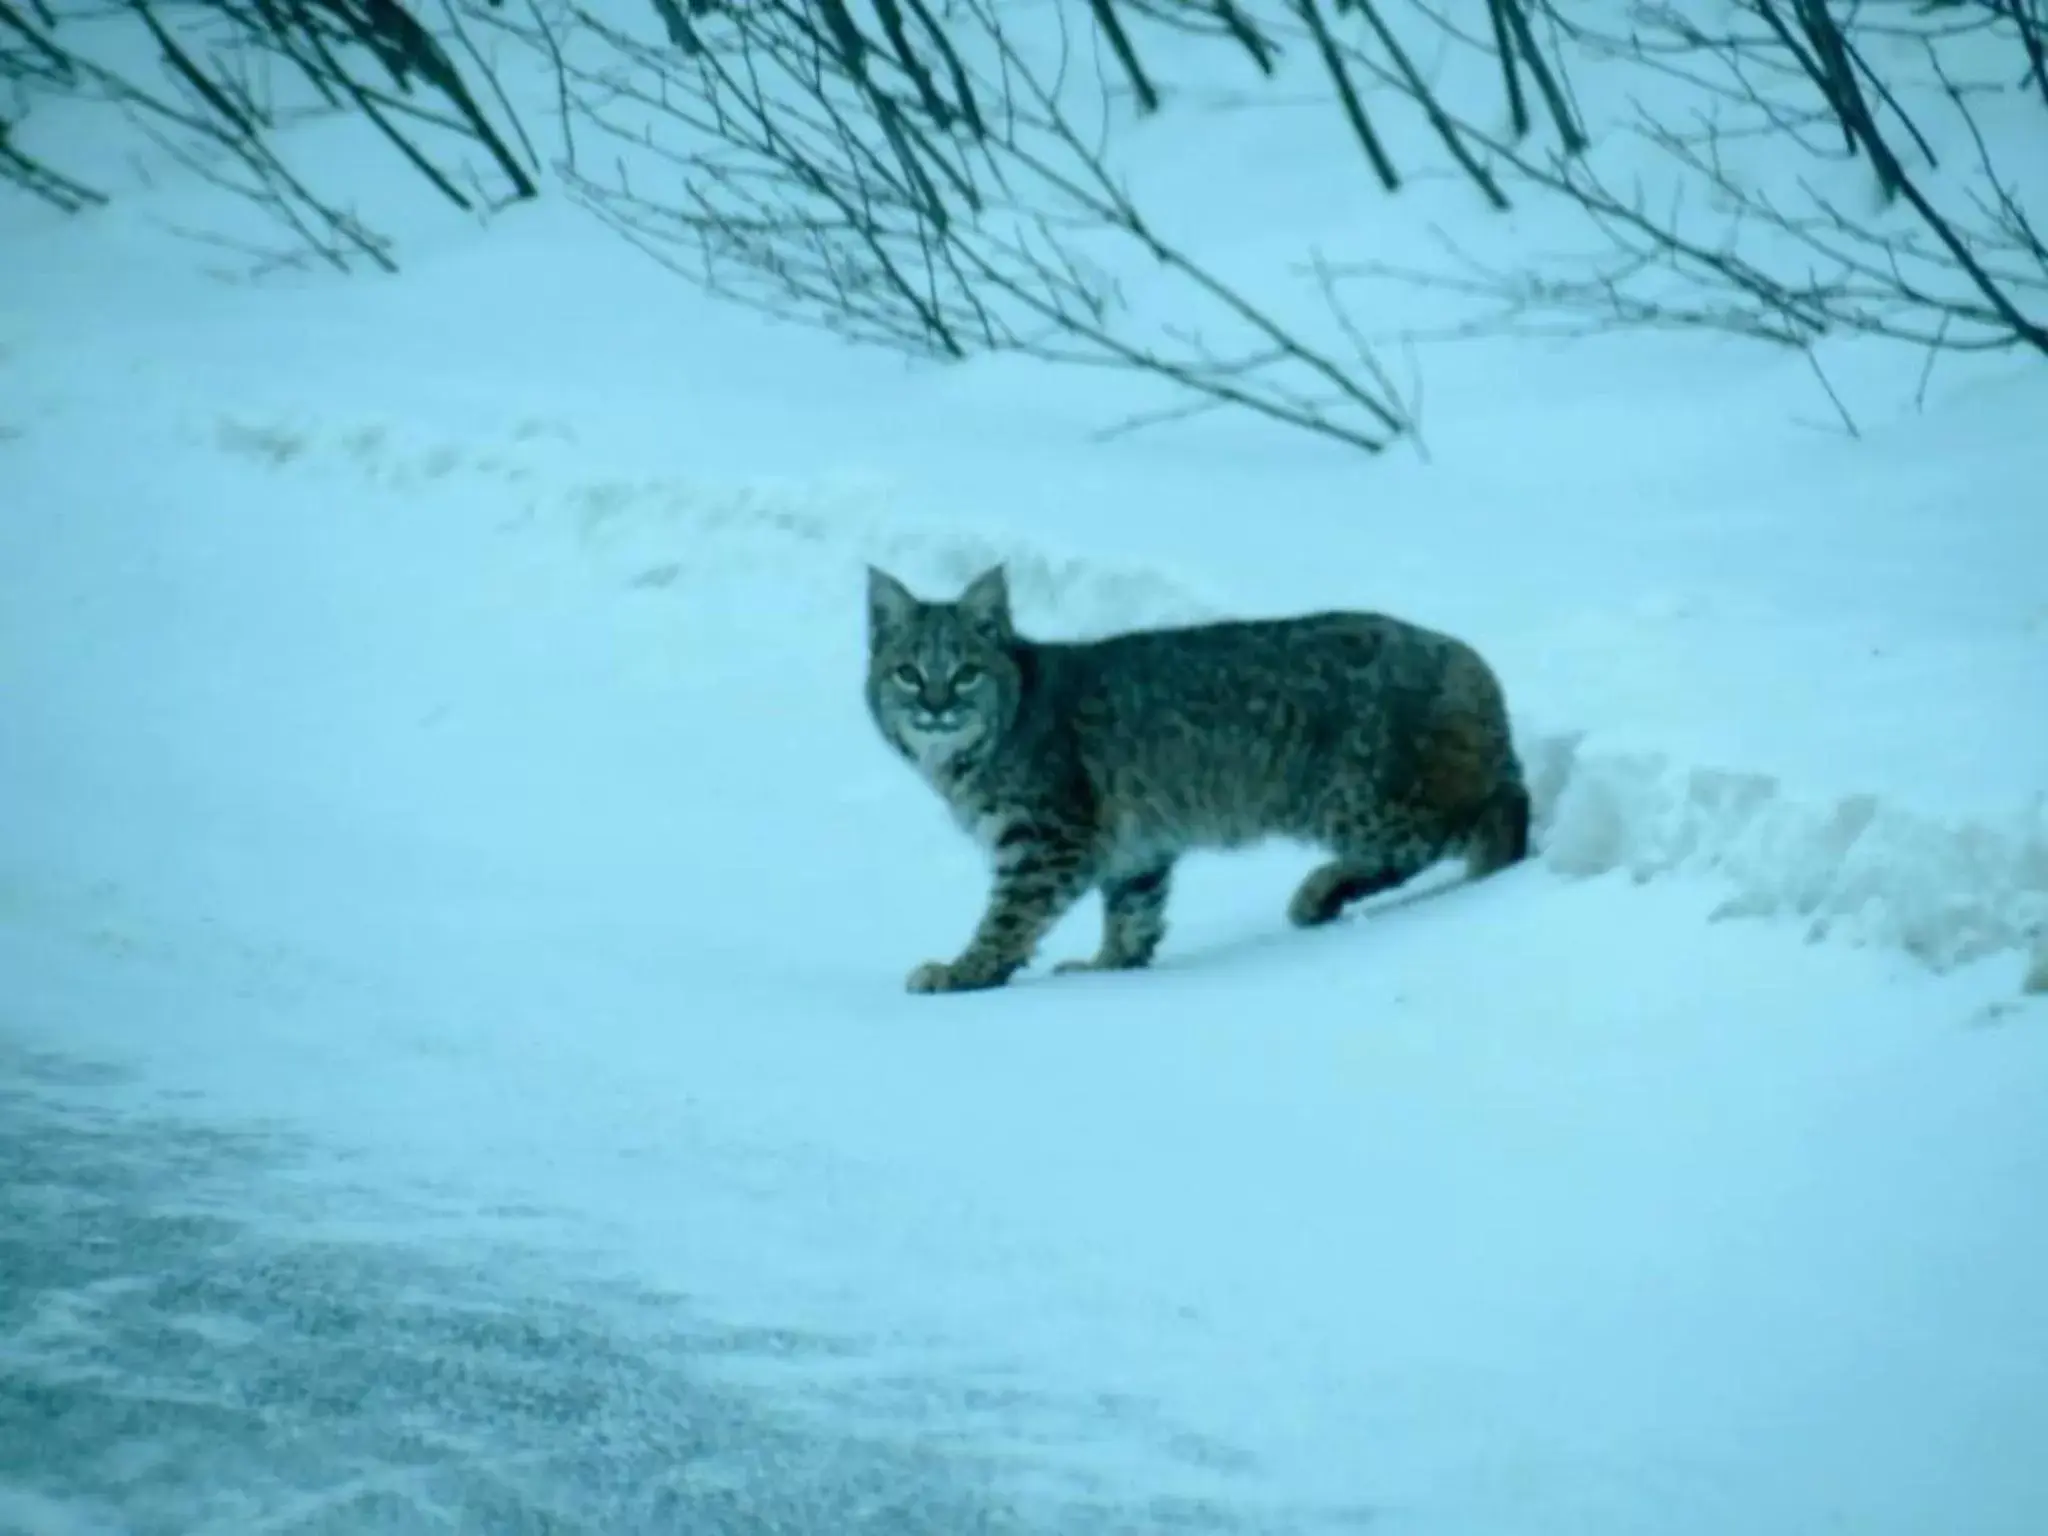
(1097,765)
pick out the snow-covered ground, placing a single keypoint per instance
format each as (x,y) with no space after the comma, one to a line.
(453,915)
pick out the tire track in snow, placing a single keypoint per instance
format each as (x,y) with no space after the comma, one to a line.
(1856,869)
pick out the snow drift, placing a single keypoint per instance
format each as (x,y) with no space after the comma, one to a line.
(1858,868)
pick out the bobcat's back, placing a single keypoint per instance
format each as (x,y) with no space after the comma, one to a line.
(1218,735)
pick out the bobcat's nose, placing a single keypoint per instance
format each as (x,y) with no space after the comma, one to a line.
(946,716)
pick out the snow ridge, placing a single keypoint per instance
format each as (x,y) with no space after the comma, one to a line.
(1855,869)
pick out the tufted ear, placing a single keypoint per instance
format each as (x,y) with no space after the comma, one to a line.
(890,604)
(986,602)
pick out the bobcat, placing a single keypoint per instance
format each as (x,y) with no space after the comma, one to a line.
(1098,764)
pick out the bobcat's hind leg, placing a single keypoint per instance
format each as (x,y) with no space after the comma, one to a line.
(1133,922)
(1369,860)
(1332,887)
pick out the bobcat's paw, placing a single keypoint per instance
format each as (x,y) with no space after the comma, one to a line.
(932,976)
(955,976)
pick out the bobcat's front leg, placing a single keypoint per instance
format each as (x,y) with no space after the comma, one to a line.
(1133,921)
(1040,872)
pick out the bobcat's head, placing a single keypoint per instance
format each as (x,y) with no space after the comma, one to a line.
(942,677)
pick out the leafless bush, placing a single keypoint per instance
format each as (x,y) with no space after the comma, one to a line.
(940,176)
(30,62)
(231,74)
(1871,169)
(947,177)
(911,172)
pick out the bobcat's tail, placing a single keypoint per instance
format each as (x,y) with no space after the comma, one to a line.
(1500,835)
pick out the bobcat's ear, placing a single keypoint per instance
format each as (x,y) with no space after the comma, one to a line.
(890,603)
(986,602)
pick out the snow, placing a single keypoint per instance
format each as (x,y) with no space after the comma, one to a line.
(453,916)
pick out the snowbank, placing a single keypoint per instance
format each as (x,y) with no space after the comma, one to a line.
(1857,868)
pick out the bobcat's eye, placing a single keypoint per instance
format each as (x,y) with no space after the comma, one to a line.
(908,676)
(967,676)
